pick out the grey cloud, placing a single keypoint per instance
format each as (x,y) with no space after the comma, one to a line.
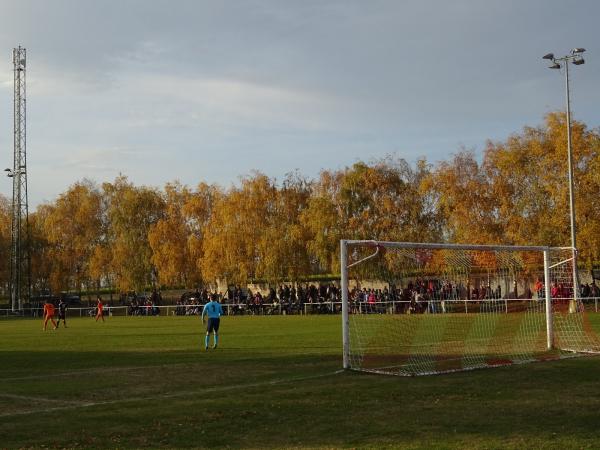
(278,85)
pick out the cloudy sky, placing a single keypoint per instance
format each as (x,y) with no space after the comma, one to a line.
(210,90)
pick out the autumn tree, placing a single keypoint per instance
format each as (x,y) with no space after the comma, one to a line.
(282,250)
(232,236)
(380,201)
(42,262)
(464,200)
(197,212)
(128,237)
(5,240)
(323,220)
(519,193)
(168,239)
(72,227)
(528,175)
(100,263)
(131,212)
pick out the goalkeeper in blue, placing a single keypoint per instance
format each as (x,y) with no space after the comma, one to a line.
(214,312)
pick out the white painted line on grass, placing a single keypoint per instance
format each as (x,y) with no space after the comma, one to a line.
(153,398)
(93,371)
(40,399)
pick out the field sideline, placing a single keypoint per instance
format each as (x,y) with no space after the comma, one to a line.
(274,382)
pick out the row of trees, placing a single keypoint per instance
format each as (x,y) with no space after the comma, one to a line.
(128,237)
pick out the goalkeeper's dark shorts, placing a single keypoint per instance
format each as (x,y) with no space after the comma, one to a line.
(213,325)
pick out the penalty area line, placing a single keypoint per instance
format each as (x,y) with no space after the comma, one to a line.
(96,370)
(40,399)
(79,405)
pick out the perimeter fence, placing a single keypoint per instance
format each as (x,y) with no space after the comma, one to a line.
(457,306)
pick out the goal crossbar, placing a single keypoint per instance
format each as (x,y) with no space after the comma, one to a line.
(436,246)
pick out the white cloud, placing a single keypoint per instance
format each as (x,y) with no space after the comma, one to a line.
(6,82)
(187,101)
(96,160)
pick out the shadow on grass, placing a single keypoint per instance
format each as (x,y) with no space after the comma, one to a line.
(185,399)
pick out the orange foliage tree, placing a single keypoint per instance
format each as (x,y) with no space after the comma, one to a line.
(131,213)
(72,228)
(129,237)
(380,201)
(5,240)
(168,239)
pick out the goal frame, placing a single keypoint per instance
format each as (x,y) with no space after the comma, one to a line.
(345,244)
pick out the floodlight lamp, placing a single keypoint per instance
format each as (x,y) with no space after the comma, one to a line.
(7,170)
(554,66)
(578,50)
(548,56)
(579,61)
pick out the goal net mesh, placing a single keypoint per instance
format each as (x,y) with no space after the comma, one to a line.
(423,310)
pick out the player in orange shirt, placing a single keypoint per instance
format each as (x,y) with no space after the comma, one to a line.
(49,314)
(100,307)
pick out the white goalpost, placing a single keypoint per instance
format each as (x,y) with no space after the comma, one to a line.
(419,309)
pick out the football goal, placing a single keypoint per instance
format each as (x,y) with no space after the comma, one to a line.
(420,309)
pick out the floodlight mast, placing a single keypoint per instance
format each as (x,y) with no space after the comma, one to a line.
(20,262)
(575,58)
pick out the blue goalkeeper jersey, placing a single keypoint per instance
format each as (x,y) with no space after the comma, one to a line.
(213,310)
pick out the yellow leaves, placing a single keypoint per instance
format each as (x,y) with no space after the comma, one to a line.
(485,260)
(5,237)
(168,239)
(519,192)
(131,212)
(127,236)
(254,231)
(381,201)
(72,227)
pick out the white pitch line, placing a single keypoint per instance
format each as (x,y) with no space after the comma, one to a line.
(39,399)
(94,370)
(173,395)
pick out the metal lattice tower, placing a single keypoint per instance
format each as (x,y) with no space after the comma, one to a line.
(20,261)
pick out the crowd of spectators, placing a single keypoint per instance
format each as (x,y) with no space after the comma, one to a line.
(590,290)
(141,305)
(286,299)
(418,296)
(434,295)
(325,298)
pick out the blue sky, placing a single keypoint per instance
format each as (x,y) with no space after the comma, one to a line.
(211,90)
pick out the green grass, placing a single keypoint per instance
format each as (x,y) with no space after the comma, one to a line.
(274,382)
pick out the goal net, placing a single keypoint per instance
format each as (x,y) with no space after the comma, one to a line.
(419,309)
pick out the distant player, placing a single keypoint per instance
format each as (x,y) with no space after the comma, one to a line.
(99,309)
(62,313)
(49,314)
(214,311)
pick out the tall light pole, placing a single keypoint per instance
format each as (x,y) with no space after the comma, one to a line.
(557,63)
(20,261)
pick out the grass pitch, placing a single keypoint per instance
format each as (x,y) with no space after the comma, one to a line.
(274,382)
